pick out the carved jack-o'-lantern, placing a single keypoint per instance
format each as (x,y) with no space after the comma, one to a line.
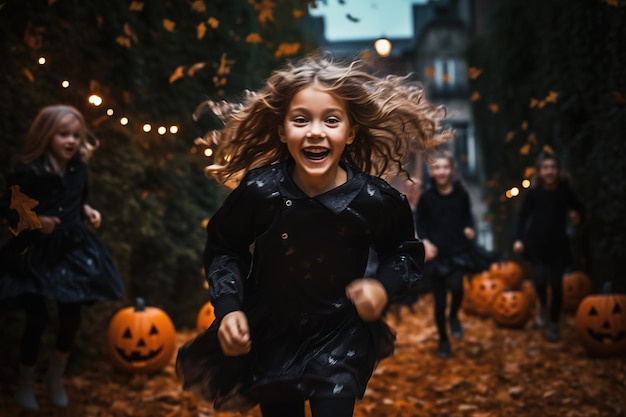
(511,308)
(141,339)
(205,317)
(484,293)
(508,271)
(601,324)
(576,286)
(470,281)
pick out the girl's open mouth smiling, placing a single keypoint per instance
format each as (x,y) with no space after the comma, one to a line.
(315,154)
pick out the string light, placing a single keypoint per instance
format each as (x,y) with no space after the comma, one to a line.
(514,191)
(110,112)
(208,152)
(41,60)
(526,183)
(147,127)
(162,130)
(95,99)
(65,84)
(124,121)
(508,194)
(173,129)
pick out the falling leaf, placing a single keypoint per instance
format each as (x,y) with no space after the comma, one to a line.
(367,54)
(169,25)
(265,9)
(201,30)
(144,195)
(551,97)
(213,22)
(532,139)
(430,71)
(352,18)
(529,172)
(123,41)
(509,137)
(253,38)
(136,6)
(297,13)
(195,67)
(475,96)
(286,49)
(225,65)
(178,73)
(524,125)
(548,149)
(28,74)
(533,103)
(445,78)
(525,149)
(541,104)
(23,204)
(128,31)
(494,108)
(33,36)
(474,72)
(198,6)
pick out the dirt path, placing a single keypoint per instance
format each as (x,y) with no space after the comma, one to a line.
(493,372)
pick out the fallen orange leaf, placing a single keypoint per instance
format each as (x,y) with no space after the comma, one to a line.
(169,25)
(23,204)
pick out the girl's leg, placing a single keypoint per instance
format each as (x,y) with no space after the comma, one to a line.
(36,321)
(456,288)
(332,407)
(293,408)
(439,295)
(69,322)
(555,275)
(540,280)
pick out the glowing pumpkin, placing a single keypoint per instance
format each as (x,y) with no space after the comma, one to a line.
(141,339)
(485,292)
(511,308)
(470,281)
(600,323)
(508,271)
(205,317)
(576,286)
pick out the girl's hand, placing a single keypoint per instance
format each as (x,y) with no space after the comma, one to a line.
(518,246)
(48,224)
(92,215)
(430,250)
(234,334)
(368,296)
(469,233)
(574,217)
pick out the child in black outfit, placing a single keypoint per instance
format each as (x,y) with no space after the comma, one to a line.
(540,235)
(446,226)
(296,319)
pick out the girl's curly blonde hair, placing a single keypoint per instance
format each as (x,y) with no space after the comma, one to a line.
(392,115)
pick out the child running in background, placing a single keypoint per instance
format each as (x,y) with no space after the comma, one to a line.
(540,235)
(296,319)
(446,226)
(52,255)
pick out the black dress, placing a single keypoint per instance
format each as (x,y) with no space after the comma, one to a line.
(68,265)
(285,259)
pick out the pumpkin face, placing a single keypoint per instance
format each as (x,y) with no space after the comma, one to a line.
(511,309)
(601,324)
(576,286)
(508,271)
(206,316)
(141,339)
(485,292)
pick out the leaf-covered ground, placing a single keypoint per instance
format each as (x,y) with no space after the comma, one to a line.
(494,372)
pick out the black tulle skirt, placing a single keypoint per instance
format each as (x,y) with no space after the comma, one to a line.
(293,355)
(69,265)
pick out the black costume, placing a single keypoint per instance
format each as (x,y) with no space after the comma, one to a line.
(307,338)
(442,219)
(541,226)
(69,265)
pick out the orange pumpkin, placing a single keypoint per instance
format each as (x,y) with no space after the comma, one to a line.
(485,291)
(528,288)
(576,286)
(470,281)
(511,308)
(508,271)
(600,323)
(205,317)
(141,339)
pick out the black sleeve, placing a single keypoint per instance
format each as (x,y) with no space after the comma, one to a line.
(523,215)
(227,256)
(400,254)
(423,215)
(468,218)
